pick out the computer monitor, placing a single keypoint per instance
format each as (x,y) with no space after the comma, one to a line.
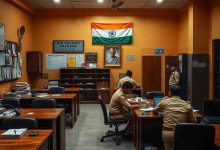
(212,108)
(157,100)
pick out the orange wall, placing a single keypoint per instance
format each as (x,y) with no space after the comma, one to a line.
(150,32)
(13,18)
(183,34)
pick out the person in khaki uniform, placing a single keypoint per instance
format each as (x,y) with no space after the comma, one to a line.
(117,104)
(128,77)
(175,76)
(176,111)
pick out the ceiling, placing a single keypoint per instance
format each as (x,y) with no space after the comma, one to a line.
(129,4)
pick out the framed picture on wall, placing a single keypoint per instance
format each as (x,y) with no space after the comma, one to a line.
(68,46)
(2,37)
(112,55)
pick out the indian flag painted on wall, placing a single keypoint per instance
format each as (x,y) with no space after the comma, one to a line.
(109,33)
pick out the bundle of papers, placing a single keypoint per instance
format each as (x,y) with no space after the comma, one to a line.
(22,88)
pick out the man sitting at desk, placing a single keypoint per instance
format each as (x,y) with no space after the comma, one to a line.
(117,104)
(128,77)
(176,111)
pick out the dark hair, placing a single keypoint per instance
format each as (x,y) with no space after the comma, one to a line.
(127,85)
(175,90)
(173,65)
(129,73)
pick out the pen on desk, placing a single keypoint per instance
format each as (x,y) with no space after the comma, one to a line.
(15,131)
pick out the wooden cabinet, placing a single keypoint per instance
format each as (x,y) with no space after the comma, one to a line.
(34,62)
(90,81)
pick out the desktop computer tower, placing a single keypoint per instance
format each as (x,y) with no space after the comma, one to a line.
(194,72)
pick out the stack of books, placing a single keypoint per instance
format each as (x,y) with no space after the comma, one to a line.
(21,88)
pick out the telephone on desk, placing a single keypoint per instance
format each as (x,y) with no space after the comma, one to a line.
(8,110)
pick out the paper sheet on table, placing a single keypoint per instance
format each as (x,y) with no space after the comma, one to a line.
(147,109)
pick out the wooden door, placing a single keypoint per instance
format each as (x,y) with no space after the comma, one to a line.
(216,68)
(168,61)
(151,73)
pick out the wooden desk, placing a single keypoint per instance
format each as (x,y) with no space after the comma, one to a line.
(217,134)
(69,99)
(48,118)
(67,90)
(40,142)
(148,129)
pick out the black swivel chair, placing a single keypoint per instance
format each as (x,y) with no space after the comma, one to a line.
(56,90)
(153,94)
(12,123)
(192,136)
(43,103)
(109,122)
(11,101)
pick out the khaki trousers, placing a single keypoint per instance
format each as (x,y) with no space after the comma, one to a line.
(127,117)
(168,137)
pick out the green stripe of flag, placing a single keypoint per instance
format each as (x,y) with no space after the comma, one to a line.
(119,40)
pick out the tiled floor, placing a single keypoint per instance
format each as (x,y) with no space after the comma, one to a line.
(89,128)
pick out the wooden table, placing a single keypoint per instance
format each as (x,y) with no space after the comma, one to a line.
(148,128)
(217,134)
(69,99)
(67,90)
(48,118)
(40,142)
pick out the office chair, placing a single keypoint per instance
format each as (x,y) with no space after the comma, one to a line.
(109,122)
(192,136)
(11,101)
(56,90)
(12,123)
(152,94)
(43,103)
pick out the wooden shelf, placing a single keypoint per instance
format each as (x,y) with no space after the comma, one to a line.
(83,76)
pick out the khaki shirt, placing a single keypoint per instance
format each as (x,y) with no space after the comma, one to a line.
(174,78)
(127,78)
(118,102)
(176,111)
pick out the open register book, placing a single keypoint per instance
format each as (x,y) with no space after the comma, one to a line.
(14,133)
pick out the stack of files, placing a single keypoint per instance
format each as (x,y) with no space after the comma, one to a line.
(14,133)
(22,88)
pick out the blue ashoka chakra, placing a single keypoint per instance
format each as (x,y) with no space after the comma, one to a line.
(112,33)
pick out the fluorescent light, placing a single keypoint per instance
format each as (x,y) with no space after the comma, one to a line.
(100,1)
(159,1)
(56,1)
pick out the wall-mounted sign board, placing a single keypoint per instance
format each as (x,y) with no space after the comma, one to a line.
(158,51)
(91,57)
(68,46)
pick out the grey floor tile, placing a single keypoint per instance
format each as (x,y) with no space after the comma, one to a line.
(89,128)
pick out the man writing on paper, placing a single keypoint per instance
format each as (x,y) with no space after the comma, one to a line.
(176,111)
(117,104)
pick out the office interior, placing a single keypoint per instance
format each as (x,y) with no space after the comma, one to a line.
(190,27)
